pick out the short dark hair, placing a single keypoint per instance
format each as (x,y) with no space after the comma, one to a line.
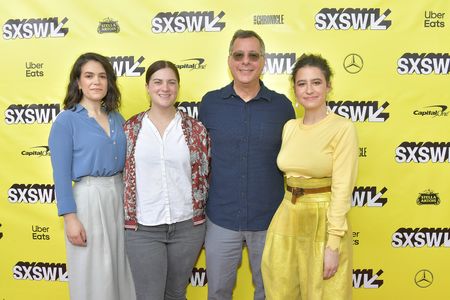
(313,60)
(111,102)
(243,34)
(158,65)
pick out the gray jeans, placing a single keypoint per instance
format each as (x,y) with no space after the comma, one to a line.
(162,257)
(224,255)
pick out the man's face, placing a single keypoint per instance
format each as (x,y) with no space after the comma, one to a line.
(246,61)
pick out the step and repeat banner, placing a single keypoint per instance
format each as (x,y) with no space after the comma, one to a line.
(391,62)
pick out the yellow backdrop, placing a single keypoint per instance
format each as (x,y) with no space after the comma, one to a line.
(391,65)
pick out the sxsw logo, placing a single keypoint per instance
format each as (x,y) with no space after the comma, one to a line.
(31,113)
(352,18)
(177,22)
(31,193)
(421,237)
(367,278)
(198,277)
(368,196)
(127,66)
(360,111)
(423,64)
(279,63)
(423,152)
(40,271)
(191,108)
(36,27)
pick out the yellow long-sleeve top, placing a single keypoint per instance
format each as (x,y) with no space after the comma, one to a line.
(328,148)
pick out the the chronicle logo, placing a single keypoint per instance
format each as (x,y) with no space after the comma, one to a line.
(421,237)
(38,151)
(423,278)
(40,271)
(268,19)
(108,25)
(127,66)
(423,152)
(428,197)
(367,278)
(191,108)
(198,277)
(432,110)
(37,28)
(423,64)
(360,111)
(353,63)
(368,195)
(31,113)
(279,63)
(177,22)
(352,18)
(196,63)
(434,19)
(31,193)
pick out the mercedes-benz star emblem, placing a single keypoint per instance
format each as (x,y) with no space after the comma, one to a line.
(423,278)
(353,63)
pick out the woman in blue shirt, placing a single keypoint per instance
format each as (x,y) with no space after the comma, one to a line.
(87,145)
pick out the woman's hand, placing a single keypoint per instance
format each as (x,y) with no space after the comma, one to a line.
(74,230)
(330,263)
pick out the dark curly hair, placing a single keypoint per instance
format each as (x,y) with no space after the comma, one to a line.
(313,60)
(111,102)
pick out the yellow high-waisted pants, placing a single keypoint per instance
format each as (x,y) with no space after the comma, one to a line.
(292,263)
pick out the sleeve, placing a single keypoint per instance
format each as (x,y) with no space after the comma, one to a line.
(345,168)
(61,146)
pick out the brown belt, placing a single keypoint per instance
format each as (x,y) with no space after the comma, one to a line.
(298,192)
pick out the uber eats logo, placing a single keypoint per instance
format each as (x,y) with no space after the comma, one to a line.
(423,64)
(423,152)
(421,237)
(352,18)
(31,113)
(190,21)
(40,271)
(34,28)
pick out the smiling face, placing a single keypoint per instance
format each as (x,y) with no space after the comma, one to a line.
(311,88)
(93,81)
(246,61)
(163,88)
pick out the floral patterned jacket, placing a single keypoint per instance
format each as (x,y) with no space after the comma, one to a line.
(198,143)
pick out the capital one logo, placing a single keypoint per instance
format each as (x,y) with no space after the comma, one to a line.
(352,18)
(177,22)
(36,27)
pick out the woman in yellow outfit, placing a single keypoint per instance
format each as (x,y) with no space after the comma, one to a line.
(308,253)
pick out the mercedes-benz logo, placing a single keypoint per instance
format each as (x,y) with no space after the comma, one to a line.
(423,278)
(353,63)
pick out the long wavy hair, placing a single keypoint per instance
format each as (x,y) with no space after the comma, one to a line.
(111,102)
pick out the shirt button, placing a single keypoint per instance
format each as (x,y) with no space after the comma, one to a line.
(112,130)
(115,157)
(114,142)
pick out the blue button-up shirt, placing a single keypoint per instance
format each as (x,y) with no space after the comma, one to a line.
(80,147)
(246,185)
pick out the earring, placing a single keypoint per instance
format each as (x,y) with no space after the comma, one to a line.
(296,104)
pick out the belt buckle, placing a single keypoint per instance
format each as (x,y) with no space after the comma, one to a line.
(297,192)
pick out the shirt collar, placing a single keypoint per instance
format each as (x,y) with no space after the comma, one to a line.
(78,108)
(264,93)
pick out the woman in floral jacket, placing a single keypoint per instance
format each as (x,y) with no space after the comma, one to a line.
(166,184)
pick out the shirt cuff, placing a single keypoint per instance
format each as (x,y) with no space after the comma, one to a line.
(333,242)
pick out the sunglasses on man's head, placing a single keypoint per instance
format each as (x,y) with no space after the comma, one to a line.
(239,56)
